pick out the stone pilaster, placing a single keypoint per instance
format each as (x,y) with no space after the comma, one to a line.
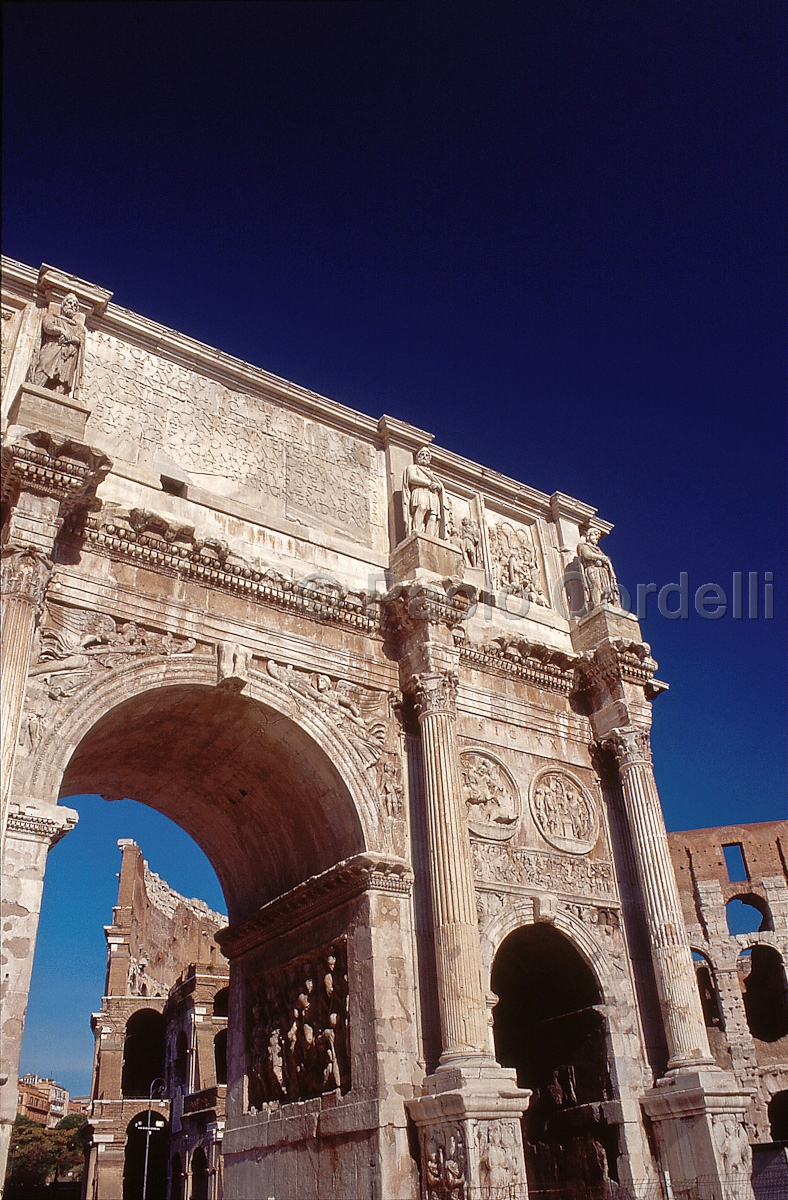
(47,481)
(26,571)
(31,831)
(461,996)
(688,1043)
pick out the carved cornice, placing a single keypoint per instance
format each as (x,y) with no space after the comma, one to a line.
(619,661)
(411,606)
(173,549)
(629,745)
(435,692)
(32,824)
(320,894)
(25,574)
(547,668)
(66,470)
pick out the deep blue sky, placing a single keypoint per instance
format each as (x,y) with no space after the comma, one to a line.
(550,232)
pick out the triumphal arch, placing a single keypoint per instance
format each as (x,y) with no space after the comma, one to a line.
(393,696)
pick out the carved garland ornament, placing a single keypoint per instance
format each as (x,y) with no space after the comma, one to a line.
(564,812)
(491,795)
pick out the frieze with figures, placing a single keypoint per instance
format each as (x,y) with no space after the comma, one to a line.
(532,869)
(299,1030)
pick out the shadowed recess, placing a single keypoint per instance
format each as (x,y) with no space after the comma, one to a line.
(257,794)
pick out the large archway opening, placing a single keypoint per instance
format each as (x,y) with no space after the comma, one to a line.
(548,1025)
(258,795)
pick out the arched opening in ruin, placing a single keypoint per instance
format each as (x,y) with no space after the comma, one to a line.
(778,1116)
(221,1002)
(711,1008)
(748,914)
(765,990)
(143,1053)
(220,1056)
(548,1025)
(199,1175)
(253,789)
(151,1128)
(707,988)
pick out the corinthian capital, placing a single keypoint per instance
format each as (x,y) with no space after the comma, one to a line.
(25,574)
(629,746)
(435,692)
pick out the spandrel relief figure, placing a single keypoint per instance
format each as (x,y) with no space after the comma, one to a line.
(599,579)
(59,358)
(423,497)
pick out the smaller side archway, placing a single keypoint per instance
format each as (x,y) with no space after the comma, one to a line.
(199,1173)
(548,1024)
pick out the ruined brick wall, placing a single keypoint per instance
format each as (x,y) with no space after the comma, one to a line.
(748,1032)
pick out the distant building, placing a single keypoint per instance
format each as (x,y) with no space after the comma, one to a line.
(42,1100)
(161,1032)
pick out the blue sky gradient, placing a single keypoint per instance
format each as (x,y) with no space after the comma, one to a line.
(551,233)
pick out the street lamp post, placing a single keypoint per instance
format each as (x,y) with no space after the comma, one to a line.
(150,1128)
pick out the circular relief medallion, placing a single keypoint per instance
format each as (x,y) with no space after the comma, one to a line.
(564,813)
(491,796)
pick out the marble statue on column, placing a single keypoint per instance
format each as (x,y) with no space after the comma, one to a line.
(62,342)
(423,497)
(599,578)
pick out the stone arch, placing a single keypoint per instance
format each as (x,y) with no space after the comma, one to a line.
(521,912)
(748,913)
(264,781)
(550,1025)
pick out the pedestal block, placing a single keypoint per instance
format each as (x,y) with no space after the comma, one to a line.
(698,1119)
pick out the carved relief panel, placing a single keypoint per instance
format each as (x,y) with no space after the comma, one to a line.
(564,812)
(517,564)
(298,1042)
(491,795)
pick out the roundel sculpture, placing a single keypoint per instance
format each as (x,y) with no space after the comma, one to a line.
(564,812)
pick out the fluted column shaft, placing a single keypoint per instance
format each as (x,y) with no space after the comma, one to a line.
(463,1012)
(25,574)
(688,1042)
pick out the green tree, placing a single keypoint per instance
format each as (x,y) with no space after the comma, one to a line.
(39,1155)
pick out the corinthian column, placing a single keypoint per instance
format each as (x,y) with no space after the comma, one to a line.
(461,999)
(26,571)
(688,1043)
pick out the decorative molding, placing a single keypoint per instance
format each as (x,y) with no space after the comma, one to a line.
(546,668)
(629,745)
(436,692)
(315,896)
(25,574)
(174,549)
(617,661)
(66,470)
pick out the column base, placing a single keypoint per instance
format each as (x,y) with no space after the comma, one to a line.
(470,1138)
(698,1117)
